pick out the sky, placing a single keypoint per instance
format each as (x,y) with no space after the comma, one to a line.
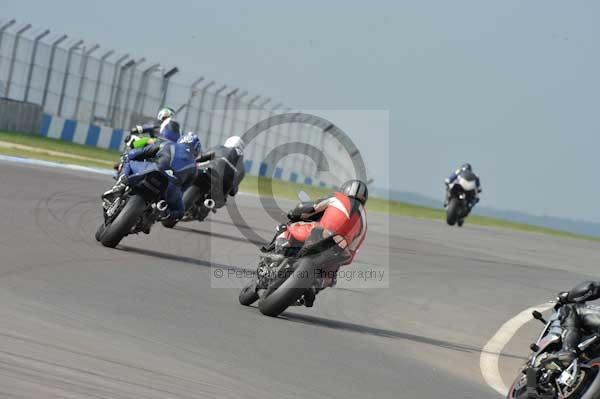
(512,87)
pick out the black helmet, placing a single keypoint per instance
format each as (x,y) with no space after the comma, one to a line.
(466,166)
(355,189)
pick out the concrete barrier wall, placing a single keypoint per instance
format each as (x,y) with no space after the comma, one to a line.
(18,116)
(81,132)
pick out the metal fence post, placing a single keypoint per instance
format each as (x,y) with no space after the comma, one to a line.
(212,109)
(97,88)
(201,104)
(248,108)
(140,98)
(236,106)
(49,71)
(66,76)
(128,91)
(225,109)
(165,86)
(13,59)
(118,89)
(36,42)
(2,29)
(86,56)
(189,101)
(260,108)
(113,87)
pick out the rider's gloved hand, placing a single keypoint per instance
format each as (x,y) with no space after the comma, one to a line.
(294,215)
(137,129)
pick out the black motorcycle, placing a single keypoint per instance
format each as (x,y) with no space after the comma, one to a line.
(544,377)
(197,199)
(287,275)
(461,194)
(134,211)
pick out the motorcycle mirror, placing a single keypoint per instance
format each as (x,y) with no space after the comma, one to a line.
(303,197)
(538,316)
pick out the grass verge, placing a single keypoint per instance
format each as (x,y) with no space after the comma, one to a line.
(51,149)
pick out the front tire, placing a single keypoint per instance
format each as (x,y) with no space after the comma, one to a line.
(99,231)
(588,390)
(452,211)
(276,301)
(125,220)
(248,295)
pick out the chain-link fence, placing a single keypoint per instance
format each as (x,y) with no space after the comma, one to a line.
(75,80)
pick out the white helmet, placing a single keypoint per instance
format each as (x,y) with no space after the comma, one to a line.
(165,113)
(235,142)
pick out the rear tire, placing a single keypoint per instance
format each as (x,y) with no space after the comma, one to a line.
(248,295)
(169,224)
(452,211)
(125,220)
(460,222)
(287,293)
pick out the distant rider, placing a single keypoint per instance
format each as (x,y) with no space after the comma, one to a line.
(452,178)
(342,214)
(135,140)
(166,154)
(142,135)
(227,165)
(575,316)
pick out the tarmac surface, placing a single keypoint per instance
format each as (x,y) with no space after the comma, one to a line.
(152,319)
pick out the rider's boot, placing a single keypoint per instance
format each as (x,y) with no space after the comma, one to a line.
(570,340)
(117,189)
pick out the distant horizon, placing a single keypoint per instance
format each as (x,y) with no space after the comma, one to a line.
(511,87)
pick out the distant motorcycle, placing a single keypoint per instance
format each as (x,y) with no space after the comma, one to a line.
(134,211)
(196,196)
(543,377)
(461,193)
(285,274)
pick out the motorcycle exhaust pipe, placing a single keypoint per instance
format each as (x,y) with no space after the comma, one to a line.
(161,205)
(209,203)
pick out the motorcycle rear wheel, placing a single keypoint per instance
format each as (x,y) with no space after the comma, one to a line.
(282,294)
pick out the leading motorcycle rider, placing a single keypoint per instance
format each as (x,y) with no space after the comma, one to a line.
(342,214)
(576,316)
(466,167)
(165,115)
(166,154)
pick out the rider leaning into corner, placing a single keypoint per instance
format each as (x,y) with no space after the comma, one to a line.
(576,315)
(452,178)
(166,154)
(342,214)
(227,162)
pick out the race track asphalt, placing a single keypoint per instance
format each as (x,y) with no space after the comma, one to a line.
(148,319)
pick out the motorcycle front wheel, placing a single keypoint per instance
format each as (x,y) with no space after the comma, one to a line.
(452,211)
(125,220)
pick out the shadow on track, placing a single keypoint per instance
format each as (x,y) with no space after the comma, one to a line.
(179,258)
(269,231)
(380,332)
(219,235)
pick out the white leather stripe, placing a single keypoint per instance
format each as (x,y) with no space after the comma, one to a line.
(363,220)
